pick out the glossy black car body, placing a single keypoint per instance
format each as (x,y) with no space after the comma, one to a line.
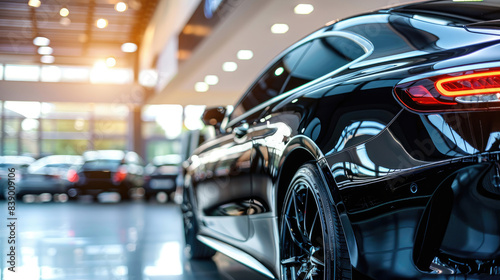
(161,176)
(413,174)
(108,171)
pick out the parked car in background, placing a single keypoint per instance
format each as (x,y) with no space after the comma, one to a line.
(19,163)
(49,175)
(107,171)
(162,175)
(368,150)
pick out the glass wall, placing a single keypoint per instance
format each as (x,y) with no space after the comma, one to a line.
(161,129)
(39,129)
(58,73)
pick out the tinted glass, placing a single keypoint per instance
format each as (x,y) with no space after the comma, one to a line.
(324,56)
(394,37)
(271,83)
(96,165)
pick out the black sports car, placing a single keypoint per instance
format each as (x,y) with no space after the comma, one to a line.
(368,150)
(107,171)
(161,176)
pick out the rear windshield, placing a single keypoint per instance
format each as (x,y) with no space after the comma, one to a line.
(101,164)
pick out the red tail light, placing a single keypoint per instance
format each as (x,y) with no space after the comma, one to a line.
(461,91)
(479,83)
(120,175)
(73,176)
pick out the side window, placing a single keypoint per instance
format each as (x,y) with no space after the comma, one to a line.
(395,36)
(324,56)
(270,84)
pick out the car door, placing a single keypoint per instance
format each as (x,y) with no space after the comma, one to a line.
(223,189)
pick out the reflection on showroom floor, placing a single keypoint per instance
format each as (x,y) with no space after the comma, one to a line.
(128,240)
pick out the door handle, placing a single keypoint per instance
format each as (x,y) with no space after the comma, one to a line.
(241,130)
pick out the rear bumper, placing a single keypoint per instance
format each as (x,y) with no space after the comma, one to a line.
(96,186)
(161,184)
(442,221)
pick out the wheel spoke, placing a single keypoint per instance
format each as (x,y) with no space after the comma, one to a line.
(312,272)
(293,261)
(312,226)
(301,270)
(299,217)
(316,261)
(292,235)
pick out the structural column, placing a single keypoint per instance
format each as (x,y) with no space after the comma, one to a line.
(134,133)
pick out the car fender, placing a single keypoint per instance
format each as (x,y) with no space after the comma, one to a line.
(299,150)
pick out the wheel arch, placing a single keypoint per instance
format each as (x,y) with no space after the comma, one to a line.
(291,163)
(300,150)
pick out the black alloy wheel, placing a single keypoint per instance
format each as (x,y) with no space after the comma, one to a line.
(312,242)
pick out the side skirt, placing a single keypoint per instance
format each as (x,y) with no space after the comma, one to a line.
(236,254)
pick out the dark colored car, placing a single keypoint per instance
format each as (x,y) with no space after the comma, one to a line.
(107,171)
(368,150)
(162,176)
(20,164)
(48,175)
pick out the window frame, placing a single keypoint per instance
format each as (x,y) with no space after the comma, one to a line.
(366,45)
(269,68)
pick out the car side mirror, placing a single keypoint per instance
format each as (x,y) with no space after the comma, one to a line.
(214,116)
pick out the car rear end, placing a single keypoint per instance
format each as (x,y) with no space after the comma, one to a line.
(423,194)
(163,178)
(460,229)
(162,175)
(452,126)
(98,175)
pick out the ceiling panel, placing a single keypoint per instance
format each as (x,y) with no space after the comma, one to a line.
(76,41)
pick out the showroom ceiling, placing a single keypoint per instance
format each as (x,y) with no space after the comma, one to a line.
(249,27)
(74,38)
(154,25)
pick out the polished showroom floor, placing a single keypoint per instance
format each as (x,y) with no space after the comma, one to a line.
(88,240)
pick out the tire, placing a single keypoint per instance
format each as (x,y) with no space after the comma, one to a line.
(312,241)
(193,248)
(125,195)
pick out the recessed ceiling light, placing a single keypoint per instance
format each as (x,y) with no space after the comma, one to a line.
(244,54)
(64,12)
(129,47)
(34,3)
(121,7)
(110,61)
(47,59)
(279,28)
(45,50)
(229,66)
(211,80)
(303,9)
(201,87)
(41,41)
(101,23)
